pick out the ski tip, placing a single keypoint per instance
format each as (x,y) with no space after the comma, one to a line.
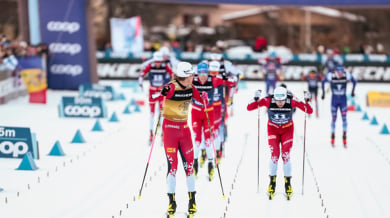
(223,196)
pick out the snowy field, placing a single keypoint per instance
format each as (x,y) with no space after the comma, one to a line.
(102,177)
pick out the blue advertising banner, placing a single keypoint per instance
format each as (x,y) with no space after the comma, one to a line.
(286,2)
(82,107)
(15,142)
(97,91)
(64,28)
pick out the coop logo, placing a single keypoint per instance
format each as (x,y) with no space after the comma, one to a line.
(84,111)
(68,69)
(107,95)
(14,142)
(59,26)
(67,48)
(82,107)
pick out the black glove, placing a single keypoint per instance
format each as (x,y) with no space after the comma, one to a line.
(257,95)
(353,94)
(165,90)
(323,96)
(224,76)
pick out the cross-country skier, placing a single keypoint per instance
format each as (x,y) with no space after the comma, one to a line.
(159,74)
(313,79)
(338,80)
(200,125)
(177,135)
(280,107)
(271,67)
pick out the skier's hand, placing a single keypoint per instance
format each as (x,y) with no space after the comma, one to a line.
(165,90)
(257,95)
(323,96)
(353,94)
(307,96)
(205,97)
(224,76)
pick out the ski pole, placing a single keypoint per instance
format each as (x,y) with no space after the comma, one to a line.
(215,153)
(258,148)
(150,153)
(304,148)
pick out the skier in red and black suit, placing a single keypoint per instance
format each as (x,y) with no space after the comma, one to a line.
(280,107)
(200,125)
(177,135)
(159,75)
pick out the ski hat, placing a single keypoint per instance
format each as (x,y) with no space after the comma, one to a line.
(203,68)
(158,56)
(184,69)
(214,66)
(280,93)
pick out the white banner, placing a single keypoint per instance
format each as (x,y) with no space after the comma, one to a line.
(127,35)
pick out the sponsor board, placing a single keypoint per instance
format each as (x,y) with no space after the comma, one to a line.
(378,99)
(97,91)
(252,71)
(15,142)
(82,107)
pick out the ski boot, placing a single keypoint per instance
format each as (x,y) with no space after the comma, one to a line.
(287,186)
(332,139)
(271,187)
(191,204)
(211,170)
(172,205)
(202,157)
(219,156)
(345,139)
(196,168)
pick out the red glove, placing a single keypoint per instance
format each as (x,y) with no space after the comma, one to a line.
(205,97)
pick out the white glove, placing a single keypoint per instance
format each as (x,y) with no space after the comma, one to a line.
(307,96)
(140,81)
(257,95)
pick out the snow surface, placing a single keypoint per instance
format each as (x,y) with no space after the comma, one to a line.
(102,177)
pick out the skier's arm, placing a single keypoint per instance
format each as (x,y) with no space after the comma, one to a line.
(323,85)
(143,73)
(167,91)
(169,70)
(218,81)
(353,80)
(256,104)
(302,106)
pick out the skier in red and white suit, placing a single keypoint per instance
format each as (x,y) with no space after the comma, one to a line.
(159,74)
(200,125)
(177,135)
(280,106)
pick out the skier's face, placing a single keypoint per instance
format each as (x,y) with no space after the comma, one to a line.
(280,103)
(188,81)
(203,77)
(157,63)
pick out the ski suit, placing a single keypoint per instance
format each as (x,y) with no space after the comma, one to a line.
(177,134)
(280,129)
(338,85)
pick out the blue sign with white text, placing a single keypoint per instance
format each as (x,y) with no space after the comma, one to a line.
(97,91)
(15,142)
(63,29)
(82,107)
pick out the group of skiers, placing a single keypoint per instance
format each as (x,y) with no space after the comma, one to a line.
(208,91)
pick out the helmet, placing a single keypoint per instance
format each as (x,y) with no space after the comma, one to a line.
(202,68)
(158,56)
(280,93)
(214,66)
(165,50)
(184,69)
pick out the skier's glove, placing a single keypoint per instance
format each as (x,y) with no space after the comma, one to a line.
(353,94)
(257,95)
(140,82)
(307,96)
(165,90)
(205,97)
(323,96)
(224,76)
